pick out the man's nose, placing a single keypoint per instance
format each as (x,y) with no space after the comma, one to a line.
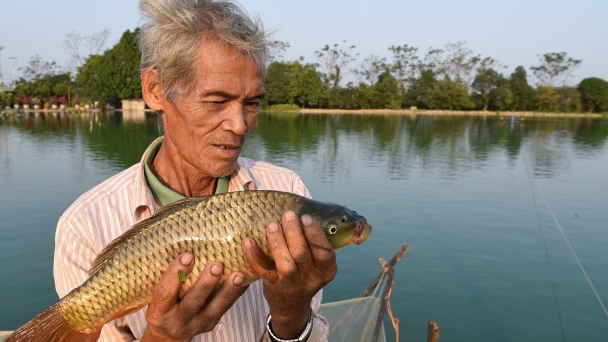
(236,119)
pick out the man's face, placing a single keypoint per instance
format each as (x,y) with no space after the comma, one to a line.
(207,126)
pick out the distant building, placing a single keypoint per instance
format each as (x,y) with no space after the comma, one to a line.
(135,105)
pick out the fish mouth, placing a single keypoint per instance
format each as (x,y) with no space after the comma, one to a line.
(361,232)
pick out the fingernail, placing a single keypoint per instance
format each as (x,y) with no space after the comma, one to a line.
(273,227)
(216,269)
(306,220)
(248,243)
(186,259)
(290,216)
(237,280)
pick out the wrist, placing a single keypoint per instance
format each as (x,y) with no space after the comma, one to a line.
(282,330)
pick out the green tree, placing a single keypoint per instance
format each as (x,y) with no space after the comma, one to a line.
(486,81)
(491,89)
(40,89)
(404,65)
(115,74)
(594,94)
(569,99)
(524,96)
(387,91)
(547,99)
(423,91)
(7,99)
(349,97)
(452,95)
(305,86)
(555,69)
(276,83)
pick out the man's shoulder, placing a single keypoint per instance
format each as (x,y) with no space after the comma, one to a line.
(114,186)
(266,176)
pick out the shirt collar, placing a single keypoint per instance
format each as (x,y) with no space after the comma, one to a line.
(163,194)
(144,200)
(241,178)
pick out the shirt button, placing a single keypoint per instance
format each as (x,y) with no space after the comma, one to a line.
(220,326)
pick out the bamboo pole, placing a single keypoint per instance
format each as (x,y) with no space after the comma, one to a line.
(386,269)
(433,335)
(387,288)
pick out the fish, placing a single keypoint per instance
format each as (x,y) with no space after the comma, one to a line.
(122,277)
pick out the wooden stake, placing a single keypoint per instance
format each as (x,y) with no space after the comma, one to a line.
(433,332)
(386,269)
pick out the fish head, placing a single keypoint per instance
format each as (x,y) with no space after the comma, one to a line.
(341,225)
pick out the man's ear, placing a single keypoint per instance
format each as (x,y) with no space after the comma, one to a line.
(151,89)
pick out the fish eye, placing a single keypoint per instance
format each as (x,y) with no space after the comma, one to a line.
(343,219)
(332,229)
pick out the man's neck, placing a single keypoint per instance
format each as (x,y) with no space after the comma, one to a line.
(178,175)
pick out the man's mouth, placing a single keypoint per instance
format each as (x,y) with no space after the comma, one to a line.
(228,147)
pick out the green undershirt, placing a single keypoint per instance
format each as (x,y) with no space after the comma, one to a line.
(163,194)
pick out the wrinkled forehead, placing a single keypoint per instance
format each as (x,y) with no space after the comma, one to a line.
(215,53)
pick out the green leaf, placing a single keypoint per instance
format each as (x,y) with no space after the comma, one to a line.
(182,275)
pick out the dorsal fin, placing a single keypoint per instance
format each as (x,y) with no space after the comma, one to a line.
(108,251)
(178,203)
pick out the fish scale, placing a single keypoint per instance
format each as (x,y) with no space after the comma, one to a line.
(123,276)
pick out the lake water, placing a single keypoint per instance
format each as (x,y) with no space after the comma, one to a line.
(487,260)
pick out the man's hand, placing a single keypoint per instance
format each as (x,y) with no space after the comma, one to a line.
(199,311)
(304,262)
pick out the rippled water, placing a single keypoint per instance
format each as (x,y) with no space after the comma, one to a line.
(486,261)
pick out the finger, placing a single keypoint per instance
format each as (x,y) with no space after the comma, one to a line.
(165,293)
(258,263)
(200,291)
(323,253)
(279,250)
(225,297)
(296,241)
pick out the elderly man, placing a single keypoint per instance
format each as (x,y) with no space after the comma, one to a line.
(203,70)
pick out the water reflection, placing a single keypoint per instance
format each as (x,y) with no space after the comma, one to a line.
(451,146)
(454,188)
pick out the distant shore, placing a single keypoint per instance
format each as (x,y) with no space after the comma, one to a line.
(444,113)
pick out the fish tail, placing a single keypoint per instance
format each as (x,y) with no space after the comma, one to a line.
(51,326)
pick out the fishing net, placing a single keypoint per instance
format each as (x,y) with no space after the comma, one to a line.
(353,319)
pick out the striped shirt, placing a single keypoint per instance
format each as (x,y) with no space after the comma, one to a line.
(112,207)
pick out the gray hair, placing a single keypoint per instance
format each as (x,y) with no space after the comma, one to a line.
(172,31)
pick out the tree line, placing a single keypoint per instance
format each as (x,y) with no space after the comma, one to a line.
(450,78)
(100,78)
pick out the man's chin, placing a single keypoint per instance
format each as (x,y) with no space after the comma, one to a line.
(225,170)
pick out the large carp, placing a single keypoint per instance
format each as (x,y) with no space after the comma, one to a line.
(123,276)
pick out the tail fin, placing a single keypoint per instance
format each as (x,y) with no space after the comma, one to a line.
(50,326)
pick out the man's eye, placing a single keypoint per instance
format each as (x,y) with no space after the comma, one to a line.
(253,106)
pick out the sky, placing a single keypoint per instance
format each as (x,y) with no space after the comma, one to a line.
(513,32)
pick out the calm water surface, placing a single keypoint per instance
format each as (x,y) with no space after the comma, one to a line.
(486,261)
